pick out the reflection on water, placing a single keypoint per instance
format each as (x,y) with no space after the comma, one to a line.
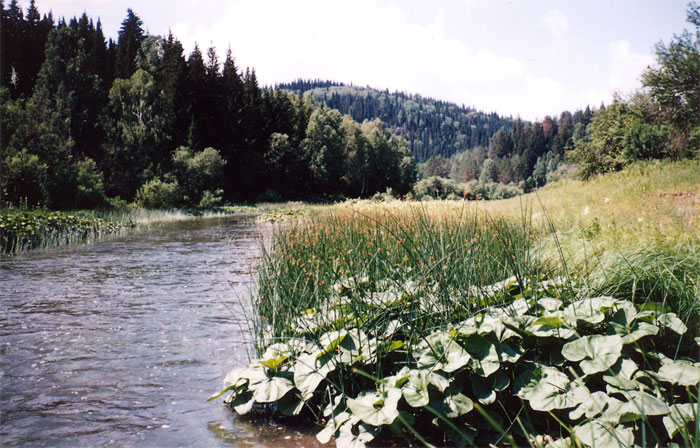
(120,343)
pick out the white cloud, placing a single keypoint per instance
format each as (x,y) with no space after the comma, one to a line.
(556,22)
(367,44)
(626,66)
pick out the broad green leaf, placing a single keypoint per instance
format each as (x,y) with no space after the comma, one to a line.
(500,381)
(483,390)
(440,381)
(355,435)
(679,417)
(622,378)
(554,325)
(330,341)
(550,321)
(399,379)
(376,408)
(332,426)
(484,355)
(646,404)
(394,345)
(603,434)
(555,391)
(272,390)
(243,402)
(309,371)
(634,332)
(457,404)
(591,407)
(671,321)
(290,404)
(273,363)
(591,310)
(355,346)
(597,353)
(680,372)
(550,303)
(439,351)
(415,390)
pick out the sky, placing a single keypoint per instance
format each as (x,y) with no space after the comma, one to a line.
(526,58)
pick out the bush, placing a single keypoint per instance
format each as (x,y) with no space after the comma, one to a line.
(159,194)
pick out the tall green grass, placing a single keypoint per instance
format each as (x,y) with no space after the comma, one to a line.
(449,257)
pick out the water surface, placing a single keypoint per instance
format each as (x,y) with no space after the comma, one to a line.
(119,343)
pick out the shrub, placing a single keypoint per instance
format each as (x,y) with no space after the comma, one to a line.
(158,194)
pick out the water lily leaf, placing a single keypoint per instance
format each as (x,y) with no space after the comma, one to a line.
(330,341)
(622,378)
(484,355)
(440,381)
(646,404)
(243,402)
(290,404)
(399,379)
(376,408)
(591,310)
(680,372)
(679,417)
(355,346)
(273,363)
(549,303)
(391,329)
(506,353)
(457,404)
(272,390)
(591,407)
(439,351)
(554,391)
(309,371)
(332,426)
(500,381)
(603,434)
(482,390)
(597,353)
(354,435)
(550,321)
(633,332)
(415,390)
(553,325)
(671,321)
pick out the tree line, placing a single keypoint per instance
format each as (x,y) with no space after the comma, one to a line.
(431,127)
(89,122)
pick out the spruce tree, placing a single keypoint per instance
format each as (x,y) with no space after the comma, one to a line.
(130,37)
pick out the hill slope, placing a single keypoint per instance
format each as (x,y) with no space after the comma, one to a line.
(431,127)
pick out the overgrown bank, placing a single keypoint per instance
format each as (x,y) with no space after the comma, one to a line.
(443,324)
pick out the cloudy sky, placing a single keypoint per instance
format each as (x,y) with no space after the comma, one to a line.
(530,58)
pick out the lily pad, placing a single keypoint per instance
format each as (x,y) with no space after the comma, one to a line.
(415,390)
(680,372)
(439,351)
(603,434)
(597,353)
(376,408)
(679,417)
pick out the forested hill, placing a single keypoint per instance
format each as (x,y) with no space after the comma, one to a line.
(431,127)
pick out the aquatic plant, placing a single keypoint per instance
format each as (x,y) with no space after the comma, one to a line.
(25,230)
(540,370)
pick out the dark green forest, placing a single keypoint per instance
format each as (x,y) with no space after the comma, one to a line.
(89,122)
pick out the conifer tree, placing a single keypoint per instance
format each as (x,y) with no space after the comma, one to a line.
(130,37)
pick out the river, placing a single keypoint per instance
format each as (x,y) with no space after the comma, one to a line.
(120,342)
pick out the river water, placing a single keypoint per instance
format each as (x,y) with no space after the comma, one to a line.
(120,342)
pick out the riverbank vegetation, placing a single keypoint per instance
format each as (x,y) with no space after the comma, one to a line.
(556,320)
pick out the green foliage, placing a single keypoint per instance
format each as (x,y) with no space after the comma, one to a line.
(580,368)
(674,83)
(24,178)
(22,230)
(157,193)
